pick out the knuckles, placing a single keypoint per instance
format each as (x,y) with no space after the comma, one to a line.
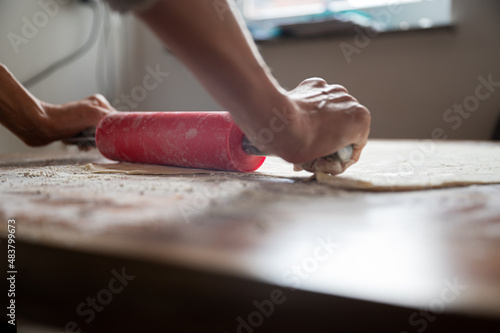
(344,97)
(362,115)
(96,99)
(3,68)
(99,100)
(315,82)
(335,88)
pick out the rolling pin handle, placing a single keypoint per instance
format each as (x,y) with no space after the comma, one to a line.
(343,155)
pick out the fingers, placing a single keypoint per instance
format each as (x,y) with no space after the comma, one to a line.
(317,86)
(67,120)
(100,100)
(38,123)
(334,100)
(323,165)
(334,88)
(326,165)
(336,119)
(90,110)
(361,130)
(94,107)
(362,122)
(314,82)
(319,83)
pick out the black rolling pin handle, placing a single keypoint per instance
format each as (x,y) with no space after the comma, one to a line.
(343,155)
(85,138)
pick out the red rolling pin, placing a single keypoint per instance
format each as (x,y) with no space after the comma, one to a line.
(208,140)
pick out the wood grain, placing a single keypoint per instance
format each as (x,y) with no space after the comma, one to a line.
(389,253)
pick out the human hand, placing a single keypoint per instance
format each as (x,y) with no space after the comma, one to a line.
(325,119)
(38,123)
(83,115)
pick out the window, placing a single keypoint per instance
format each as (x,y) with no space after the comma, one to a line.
(269,19)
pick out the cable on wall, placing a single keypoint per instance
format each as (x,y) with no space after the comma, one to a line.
(86,47)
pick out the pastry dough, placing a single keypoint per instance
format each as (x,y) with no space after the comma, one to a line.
(416,165)
(273,167)
(384,166)
(141,169)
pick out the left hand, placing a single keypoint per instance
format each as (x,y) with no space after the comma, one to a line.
(38,123)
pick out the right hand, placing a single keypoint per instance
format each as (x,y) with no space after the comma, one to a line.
(325,118)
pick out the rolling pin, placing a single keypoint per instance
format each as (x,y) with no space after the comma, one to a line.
(207,140)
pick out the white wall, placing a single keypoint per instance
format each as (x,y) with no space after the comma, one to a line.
(61,29)
(408,80)
(178,92)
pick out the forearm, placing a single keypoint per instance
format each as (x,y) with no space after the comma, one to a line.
(14,101)
(212,41)
(38,123)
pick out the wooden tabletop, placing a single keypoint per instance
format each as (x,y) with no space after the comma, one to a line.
(226,241)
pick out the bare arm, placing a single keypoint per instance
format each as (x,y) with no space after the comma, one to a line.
(38,123)
(216,46)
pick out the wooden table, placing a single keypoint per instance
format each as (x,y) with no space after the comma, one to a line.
(246,253)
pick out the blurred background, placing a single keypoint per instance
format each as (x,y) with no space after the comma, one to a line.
(408,61)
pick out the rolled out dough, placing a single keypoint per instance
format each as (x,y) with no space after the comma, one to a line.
(385,165)
(417,165)
(142,169)
(273,167)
